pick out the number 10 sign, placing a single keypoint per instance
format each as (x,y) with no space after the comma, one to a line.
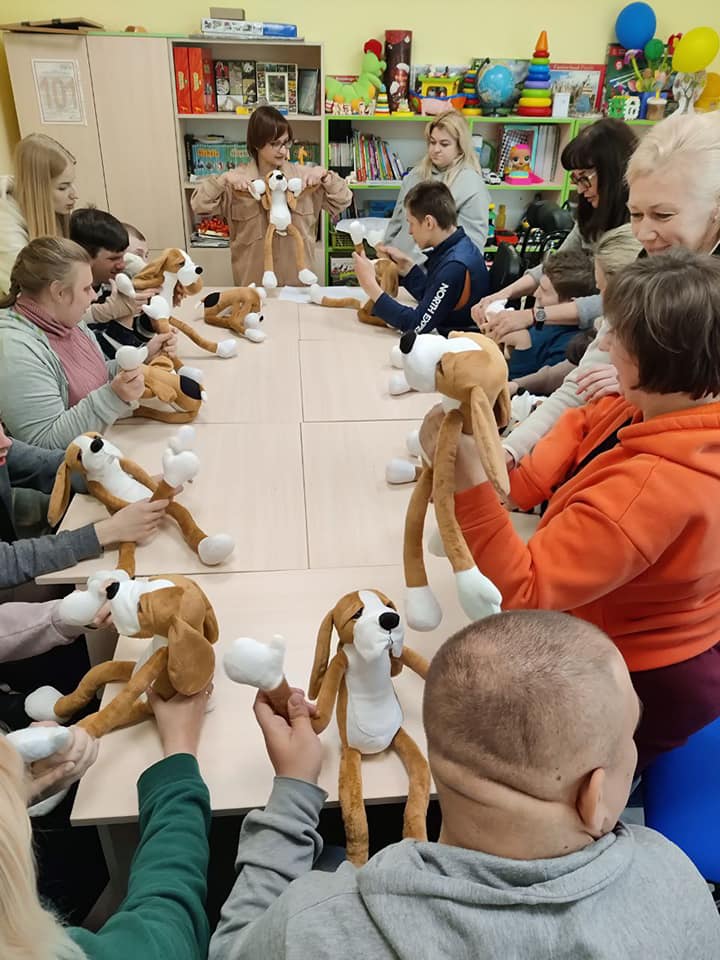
(58,90)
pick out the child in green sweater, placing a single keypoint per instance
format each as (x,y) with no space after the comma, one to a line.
(163,915)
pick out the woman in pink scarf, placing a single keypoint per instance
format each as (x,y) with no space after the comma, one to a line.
(54,382)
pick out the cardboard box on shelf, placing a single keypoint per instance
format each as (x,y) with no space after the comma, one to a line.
(182,79)
(216,26)
(202,85)
(235,84)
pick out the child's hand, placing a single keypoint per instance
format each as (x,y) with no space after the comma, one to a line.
(365,273)
(294,748)
(60,770)
(402,261)
(180,720)
(163,343)
(597,382)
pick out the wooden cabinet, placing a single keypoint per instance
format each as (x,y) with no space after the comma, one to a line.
(81,139)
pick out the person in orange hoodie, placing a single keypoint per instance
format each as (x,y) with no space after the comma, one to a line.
(630,540)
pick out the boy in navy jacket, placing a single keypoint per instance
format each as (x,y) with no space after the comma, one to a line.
(453,278)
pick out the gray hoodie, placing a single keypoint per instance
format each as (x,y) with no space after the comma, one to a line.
(631,896)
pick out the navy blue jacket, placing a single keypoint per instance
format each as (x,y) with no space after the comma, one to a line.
(452,280)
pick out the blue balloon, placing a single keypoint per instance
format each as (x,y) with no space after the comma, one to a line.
(635,25)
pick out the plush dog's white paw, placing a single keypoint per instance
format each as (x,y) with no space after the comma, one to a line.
(36,743)
(257,664)
(396,357)
(401,471)
(124,285)
(40,704)
(269,280)
(256,336)
(422,611)
(227,348)
(215,549)
(80,607)
(435,546)
(295,185)
(130,358)
(398,384)
(157,309)
(179,468)
(307,277)
(184,439)
(412,442)
(192,373)
(479,597)
(316,294)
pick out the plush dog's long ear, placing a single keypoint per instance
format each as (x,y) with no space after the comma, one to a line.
(487,439)
(322,655)
(503,408)
(191,660)
(60,496)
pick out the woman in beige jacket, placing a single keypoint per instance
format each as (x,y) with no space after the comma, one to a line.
(269,138)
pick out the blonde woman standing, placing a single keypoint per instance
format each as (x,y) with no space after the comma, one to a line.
(450,158)
(38,201)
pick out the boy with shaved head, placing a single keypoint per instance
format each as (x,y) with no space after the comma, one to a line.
(529,717)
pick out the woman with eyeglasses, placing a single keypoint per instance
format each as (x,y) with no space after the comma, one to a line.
(597,159)
(269,142)
(37,201)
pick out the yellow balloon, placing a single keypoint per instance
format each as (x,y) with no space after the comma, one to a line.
(696,50)
(709,99)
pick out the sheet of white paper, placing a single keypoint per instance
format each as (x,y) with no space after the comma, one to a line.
(59,93)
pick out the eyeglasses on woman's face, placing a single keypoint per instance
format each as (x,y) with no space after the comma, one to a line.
(282,143)
(582,178)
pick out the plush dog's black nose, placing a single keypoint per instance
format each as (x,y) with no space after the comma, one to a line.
(111,590)
(198,270)
(389,620)
(407,341)
(96,444)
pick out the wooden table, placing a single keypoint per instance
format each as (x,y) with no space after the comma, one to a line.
(250,485)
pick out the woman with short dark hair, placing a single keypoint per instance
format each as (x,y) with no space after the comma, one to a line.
(629,538)
(269,142)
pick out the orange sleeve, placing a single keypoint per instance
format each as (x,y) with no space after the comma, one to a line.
(541,471)
(577,557)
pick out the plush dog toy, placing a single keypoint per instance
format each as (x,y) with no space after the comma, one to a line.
(369,715)
(386,274)
(178,277)
(180,389)
(279,197)
(116,482)
(173,612)
(470,372)
(238,309)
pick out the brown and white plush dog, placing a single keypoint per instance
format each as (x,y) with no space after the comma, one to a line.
(279,197)
(470,372)
(370,651)
(358,678)
(180,389)
(238,309)
(173,612)
(386,274)
(178,277)
(116,481)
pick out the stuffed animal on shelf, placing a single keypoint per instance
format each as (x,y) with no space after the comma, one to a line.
(177,618)
(368,83)
(369,716)
(180,389)
(178,277)
(386,274)
(470,372)
(279,197)
(116,481)
(238,309)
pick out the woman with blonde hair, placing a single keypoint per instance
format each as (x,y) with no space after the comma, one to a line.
(54,380)
(673,179)
(38,201)
(450,158)
(163,914)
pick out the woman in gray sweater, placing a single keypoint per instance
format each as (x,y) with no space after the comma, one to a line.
(450,158)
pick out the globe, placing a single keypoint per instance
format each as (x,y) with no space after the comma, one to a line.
(496,87)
